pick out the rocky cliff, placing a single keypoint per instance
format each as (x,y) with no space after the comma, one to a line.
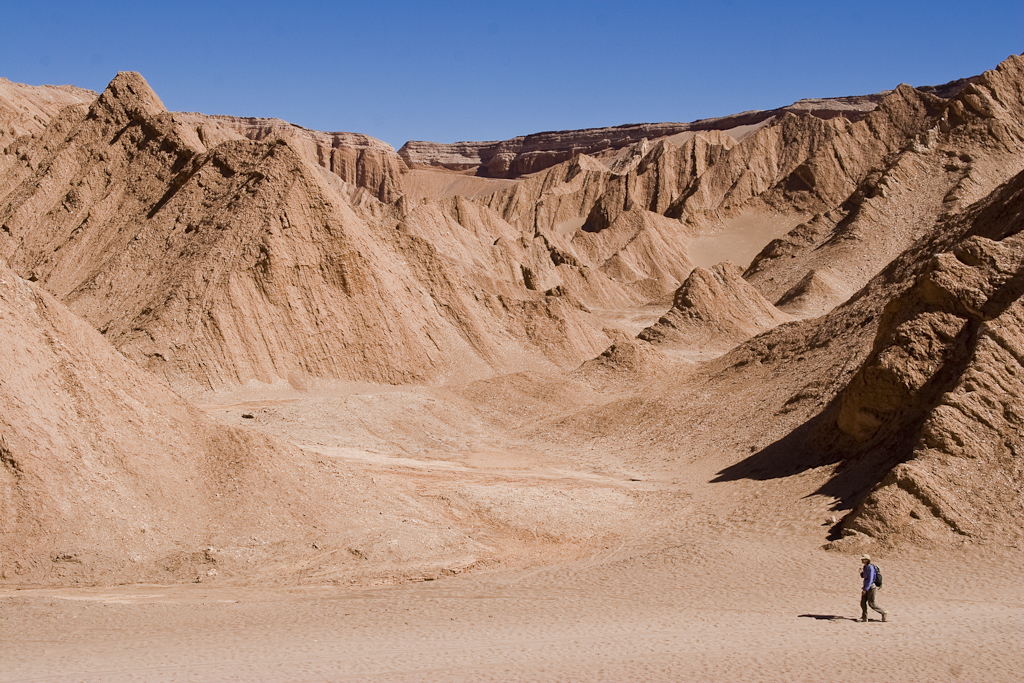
(359,160)
(531,153)
(942,394)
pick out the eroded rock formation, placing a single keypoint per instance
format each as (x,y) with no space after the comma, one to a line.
(714,309)
(26,109)
(244,261)
(531,153)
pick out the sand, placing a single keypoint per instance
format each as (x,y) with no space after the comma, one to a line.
(740,238)
(676,578)
(742,605)
(585,512)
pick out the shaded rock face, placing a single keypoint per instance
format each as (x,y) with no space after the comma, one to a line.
(714,308)
(927,430)
(946,378)
(921,421)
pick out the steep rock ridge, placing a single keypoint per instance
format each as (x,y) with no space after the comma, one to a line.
(790,164)
(807,163)
(922,418)
(106,476)
(552,200)
(873,185)
(531,153)
(243,261)
(359,160)
(26,109)
(943,389)
(973,143)
(639,257)
(714,310)
(656,177)
(635,261)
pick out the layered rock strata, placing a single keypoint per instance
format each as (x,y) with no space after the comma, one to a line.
(531,153)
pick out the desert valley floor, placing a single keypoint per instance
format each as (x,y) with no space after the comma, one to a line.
(601,405)
(605,569)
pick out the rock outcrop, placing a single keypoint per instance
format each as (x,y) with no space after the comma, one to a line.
(242,260)
(360,160)
(714,310)
(943,389)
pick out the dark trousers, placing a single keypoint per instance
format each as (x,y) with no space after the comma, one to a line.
(868,600)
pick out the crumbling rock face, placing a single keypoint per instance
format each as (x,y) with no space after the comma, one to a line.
(714,309)
(943,391)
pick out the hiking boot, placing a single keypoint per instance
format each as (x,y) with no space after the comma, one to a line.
(885,616)
(863,619)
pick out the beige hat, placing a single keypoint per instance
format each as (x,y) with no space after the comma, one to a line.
(866,557)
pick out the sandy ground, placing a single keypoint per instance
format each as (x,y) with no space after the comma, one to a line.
(718,585)
(605,568)
(740,614)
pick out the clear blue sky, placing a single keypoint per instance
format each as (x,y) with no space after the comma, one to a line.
(447,71)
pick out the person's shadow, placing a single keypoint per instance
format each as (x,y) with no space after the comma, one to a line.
(827,617)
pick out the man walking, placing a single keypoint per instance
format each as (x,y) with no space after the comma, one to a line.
(867,594)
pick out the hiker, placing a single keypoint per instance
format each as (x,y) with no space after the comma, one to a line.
(871,585)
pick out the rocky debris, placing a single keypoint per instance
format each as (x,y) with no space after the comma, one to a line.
(714,309)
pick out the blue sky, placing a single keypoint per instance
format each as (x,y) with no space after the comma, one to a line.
(448,71)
